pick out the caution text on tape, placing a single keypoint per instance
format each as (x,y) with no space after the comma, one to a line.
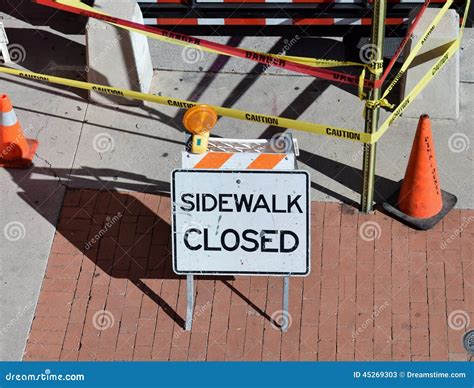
(321,129)
(430,74)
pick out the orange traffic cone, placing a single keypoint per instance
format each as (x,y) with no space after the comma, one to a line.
(420,202)
(15,150)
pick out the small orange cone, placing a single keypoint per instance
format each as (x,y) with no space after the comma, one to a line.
(420,202)
(15,150)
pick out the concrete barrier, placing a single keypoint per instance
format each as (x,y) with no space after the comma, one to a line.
(117,57)
(440,99)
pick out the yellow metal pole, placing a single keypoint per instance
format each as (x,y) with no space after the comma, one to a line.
(372,112)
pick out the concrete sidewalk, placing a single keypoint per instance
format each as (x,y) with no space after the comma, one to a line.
(90,146)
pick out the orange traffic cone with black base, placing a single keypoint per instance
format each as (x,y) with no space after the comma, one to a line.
(420,202)
(15,150)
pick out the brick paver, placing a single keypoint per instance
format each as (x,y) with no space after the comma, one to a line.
(377,290)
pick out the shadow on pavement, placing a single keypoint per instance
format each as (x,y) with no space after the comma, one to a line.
(40,15)
(348,176)
(136,243)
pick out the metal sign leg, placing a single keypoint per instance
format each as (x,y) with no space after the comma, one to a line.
(286,298)
(190,301)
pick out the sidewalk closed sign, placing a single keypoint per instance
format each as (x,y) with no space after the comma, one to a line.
(240,222)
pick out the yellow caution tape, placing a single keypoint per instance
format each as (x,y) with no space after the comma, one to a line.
(417,48)
(371,104)
(417,89)
(428,76)
(383,102)
(315,62)
(320,129)
(360,86)
(375,67)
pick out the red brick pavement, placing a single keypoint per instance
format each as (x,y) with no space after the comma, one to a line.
(109,292)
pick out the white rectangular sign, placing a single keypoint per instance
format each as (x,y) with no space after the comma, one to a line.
(241,222)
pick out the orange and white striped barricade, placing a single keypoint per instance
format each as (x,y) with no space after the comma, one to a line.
(4,45)
(241,208)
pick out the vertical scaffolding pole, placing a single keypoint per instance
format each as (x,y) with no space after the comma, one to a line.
(372,113)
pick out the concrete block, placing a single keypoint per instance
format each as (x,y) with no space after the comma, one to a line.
(467,56)
(117,57)
(440,99)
